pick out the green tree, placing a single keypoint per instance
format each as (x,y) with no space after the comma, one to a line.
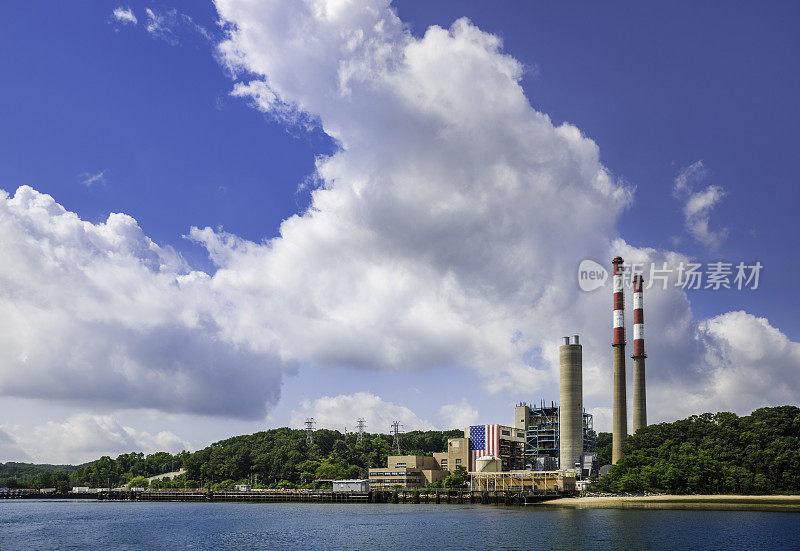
(457,479)
(138,482)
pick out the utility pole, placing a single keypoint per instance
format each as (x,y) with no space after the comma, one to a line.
(361,424)
(310,430)
(396,434)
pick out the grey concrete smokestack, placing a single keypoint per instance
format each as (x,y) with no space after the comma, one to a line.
(570,416)
(619,422)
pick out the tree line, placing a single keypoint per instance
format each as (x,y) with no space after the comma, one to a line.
(708,453)
(276,458)
(718,453)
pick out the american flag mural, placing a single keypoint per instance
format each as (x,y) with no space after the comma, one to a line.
(483,440)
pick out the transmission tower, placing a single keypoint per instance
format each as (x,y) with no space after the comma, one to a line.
(310,430)
(396,434)
(361,424)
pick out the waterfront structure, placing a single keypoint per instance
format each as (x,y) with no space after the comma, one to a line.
(505,443)
(533,482)
(571,403)
(353,485)
(406,471)
(639,391)
(619,422)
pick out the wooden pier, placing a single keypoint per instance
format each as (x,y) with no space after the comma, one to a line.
(462,497)
(420,496)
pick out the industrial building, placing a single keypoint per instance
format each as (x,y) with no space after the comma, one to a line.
(533,482)
(457,455)
(355,485)
(541,427)
(406,471)
(505,444)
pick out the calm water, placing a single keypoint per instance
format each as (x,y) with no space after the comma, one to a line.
(28,524)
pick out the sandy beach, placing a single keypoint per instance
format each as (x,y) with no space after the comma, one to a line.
(726,502)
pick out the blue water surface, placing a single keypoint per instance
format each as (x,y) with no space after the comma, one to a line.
(57,525)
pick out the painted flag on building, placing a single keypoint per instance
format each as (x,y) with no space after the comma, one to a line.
(483,440)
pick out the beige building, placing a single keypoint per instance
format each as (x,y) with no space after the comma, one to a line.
(457,455)
(406,471)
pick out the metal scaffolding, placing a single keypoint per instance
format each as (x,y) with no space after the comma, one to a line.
(542,437)
(532,482)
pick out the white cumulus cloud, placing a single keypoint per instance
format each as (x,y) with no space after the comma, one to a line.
(458,416)
(85,437)
(98,313)
(446,230)
(338,412)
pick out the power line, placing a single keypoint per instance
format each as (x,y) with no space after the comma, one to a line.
(361,424)
(310,430)
(396,434)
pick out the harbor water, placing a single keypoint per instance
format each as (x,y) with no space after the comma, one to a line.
(60,525)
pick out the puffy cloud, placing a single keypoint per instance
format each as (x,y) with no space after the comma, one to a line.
(124,16)
(457,416)
(697,210)
(98,313)
(9,449)
(84,437)
(338,412)
(445,230)
(439,230)
(747,363)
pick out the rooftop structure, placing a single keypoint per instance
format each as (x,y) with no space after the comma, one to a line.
(541,426)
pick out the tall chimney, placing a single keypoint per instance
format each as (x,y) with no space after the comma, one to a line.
(639,391)
(570,415)
(619,408)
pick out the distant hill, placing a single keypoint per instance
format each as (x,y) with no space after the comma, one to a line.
(274,458)
(32,475)
(12,469)
(713,454)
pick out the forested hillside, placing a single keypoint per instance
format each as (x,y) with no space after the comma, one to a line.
(273,458)
(713,454)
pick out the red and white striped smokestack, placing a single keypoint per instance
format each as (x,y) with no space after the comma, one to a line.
(639,392)
(619,304)
(638,318)
(619,421)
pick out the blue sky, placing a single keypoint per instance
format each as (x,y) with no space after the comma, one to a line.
(148,116)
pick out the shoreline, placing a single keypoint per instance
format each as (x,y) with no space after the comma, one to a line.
(706,502)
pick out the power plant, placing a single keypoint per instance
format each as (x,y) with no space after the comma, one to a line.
(619,422)
(553,444)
